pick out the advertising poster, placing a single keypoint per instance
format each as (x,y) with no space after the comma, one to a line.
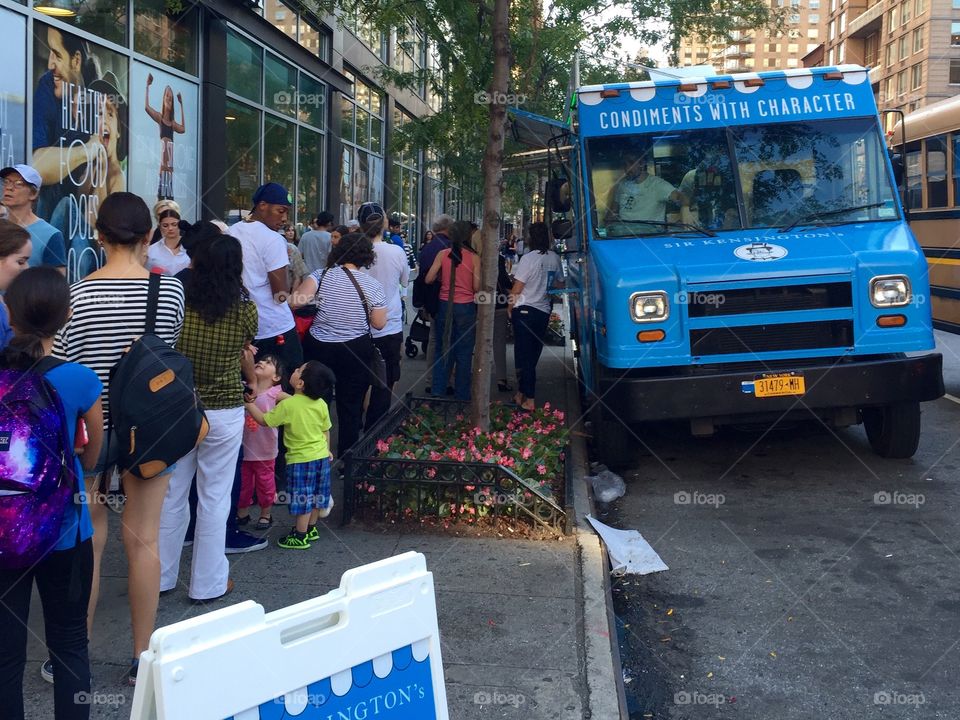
(80,137)
(163,133)
(13,88)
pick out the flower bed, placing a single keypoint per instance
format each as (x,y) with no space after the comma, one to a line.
(424,464)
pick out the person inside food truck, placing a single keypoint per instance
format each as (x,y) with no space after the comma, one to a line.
(638,196)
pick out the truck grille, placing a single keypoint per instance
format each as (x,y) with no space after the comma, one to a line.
(771,338)
(821,296)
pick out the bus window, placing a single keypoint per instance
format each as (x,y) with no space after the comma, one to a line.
(937,171)
(956,168)
(914,179)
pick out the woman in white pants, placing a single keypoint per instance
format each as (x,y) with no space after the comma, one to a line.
(219,324)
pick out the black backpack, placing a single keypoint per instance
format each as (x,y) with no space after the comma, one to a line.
(426,296)
(154,407)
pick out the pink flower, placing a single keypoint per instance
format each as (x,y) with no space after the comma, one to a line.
(431,472)
(559,415)
(526,453)
(382,446)
(546,407)
(542,469)
(371,488)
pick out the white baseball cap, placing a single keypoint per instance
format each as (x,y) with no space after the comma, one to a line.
(353,222)
(28,174)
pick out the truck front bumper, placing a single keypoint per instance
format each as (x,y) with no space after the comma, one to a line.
(849,383)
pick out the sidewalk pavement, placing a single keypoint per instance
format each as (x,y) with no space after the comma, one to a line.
(526,623)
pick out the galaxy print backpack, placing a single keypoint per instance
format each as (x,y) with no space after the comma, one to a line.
(37,470)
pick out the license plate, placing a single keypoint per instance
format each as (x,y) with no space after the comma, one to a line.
(779,385)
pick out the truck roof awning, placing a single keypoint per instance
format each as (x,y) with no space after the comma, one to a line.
(535,131)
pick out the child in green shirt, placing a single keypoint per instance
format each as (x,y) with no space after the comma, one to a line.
(306,436)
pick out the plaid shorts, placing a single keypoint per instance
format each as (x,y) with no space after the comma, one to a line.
(308,486)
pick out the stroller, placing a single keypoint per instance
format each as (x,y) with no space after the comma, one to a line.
(419,333)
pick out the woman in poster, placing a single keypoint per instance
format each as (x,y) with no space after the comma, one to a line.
(168,126)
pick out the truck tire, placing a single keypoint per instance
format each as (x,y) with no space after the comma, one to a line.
(613,441)
(893,430)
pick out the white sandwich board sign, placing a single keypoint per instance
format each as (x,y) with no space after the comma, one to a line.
(369,649)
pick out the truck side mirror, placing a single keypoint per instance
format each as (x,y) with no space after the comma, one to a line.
(896,160)
(558,195)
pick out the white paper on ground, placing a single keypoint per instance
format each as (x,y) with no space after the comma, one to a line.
(629,552)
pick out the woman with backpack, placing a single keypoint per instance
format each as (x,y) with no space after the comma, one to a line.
(38,301)
(218,328)
(15,249)
(109,313)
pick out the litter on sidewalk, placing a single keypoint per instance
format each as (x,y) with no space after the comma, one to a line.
(629,552)
(607,486)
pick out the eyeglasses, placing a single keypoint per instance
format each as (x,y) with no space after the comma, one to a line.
(15,184)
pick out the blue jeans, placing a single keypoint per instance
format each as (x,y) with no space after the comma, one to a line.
(529,325)
(463,334)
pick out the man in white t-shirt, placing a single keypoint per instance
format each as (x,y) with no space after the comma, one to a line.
(393,272)
(265,263)
(638,196)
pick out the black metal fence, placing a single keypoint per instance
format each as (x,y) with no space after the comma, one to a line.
(384,488)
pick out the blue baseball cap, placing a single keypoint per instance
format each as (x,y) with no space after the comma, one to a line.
(272,193)
(368,210)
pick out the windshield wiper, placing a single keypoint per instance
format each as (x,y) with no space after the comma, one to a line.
(680,225)
(810,218)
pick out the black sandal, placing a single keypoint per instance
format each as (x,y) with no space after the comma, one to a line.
(504,386)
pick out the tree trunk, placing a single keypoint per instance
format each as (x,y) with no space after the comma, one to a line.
(492,195)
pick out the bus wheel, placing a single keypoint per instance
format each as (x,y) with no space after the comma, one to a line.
(893,430)
(615,443)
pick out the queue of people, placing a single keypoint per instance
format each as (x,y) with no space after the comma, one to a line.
(224,298)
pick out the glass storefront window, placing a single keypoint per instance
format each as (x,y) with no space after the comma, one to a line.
(346,122)
(309,173)
(279,148)
(104,18)
(309,36)
(170,38)
(280,86)
(376,135)
(363,128)
(244,67)
(312,101)
(243,159)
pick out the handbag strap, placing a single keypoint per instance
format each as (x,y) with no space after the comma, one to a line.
(363,299)
(153,302)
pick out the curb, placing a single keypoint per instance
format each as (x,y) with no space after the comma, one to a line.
(605,693)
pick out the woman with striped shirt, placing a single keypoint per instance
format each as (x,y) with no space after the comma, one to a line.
(340,335)
(109,312)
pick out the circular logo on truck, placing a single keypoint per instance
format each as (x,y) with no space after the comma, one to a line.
(760,252)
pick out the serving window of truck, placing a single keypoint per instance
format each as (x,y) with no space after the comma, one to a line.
(740,254)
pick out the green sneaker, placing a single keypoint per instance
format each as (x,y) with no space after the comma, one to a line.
(313,535)
(294,541)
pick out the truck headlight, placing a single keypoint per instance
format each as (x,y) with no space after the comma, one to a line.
(649,306)
(888,291)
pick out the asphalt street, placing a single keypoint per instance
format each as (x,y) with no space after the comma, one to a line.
(808,577)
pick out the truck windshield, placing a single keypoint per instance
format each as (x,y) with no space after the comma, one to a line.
(757,176)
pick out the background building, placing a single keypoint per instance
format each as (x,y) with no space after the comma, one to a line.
(205,104)
(755,50)
(911,46)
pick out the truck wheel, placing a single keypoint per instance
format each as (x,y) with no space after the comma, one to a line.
(893,430)
(613,441)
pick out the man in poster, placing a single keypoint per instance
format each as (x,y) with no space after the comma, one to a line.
(79,143)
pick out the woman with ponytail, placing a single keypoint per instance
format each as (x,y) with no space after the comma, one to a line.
(167,256)
(109,312)
(39,303)
(15,249)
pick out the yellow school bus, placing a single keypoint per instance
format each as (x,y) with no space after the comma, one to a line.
(931,172)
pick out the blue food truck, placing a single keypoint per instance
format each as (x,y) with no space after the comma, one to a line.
(736,253)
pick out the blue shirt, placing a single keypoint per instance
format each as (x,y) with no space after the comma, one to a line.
(6,332)
(429,251)
(397,240)
(49,248)
(78,388)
